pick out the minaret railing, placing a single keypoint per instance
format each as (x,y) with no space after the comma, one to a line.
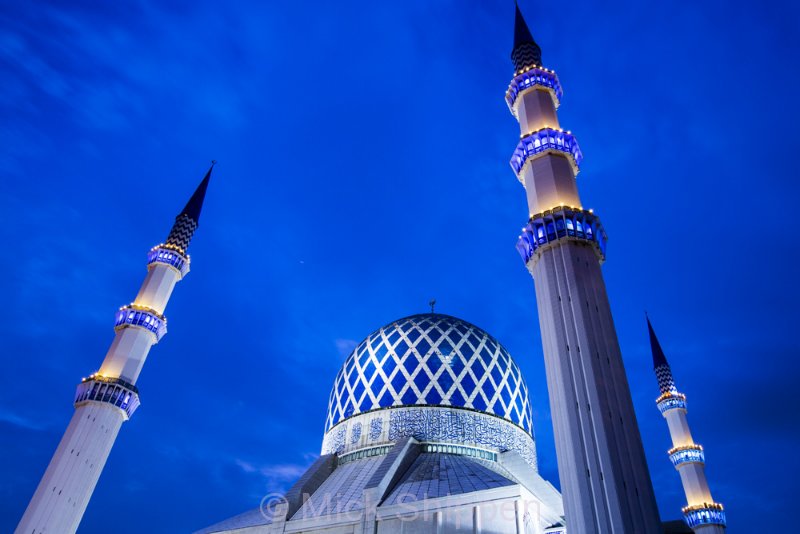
(530,78)
(546,141)
(113,391)
(141,317)
(687,454)
(558,224)
(704,514)
(170,256)
(671,401)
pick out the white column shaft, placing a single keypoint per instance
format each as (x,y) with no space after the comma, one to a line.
(678,427)
(63,493)
(157,287)
(604,476)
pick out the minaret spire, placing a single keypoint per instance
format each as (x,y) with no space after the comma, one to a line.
(526,53)
(702,514)
(109,397)
(663,372)
(188,219)
(195,204)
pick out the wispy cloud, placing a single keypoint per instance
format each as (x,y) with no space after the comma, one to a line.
(11,417)
(277,477)
(345,346)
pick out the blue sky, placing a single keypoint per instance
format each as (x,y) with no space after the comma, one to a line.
(363,169)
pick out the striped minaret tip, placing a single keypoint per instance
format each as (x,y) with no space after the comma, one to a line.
(663,372)
(526,53)
(188,219)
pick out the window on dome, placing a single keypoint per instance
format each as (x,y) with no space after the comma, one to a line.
(386,400)
(457,364)
(393,337)
(423,347)
(409,397)
(446,380)
(479,403)
(421,381)
(388,365)
(433,397)
(401,348)
(369,369)
(398,382)
(457,399)
(358,390)
(380,351)
(410,364)
(488,391)
(377,384)
(434,363)
(434,334)
(413,334)
(467,384)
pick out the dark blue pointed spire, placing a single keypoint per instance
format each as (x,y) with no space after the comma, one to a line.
(522,34)
(658,354)
(195,204)
(663,372)
(188,219)
(526,53)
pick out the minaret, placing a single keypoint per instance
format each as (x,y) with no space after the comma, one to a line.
(701,513)
(604,477)
(109,397)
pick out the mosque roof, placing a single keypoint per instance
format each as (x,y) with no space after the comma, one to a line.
(431,475)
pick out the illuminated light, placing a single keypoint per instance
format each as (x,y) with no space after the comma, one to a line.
(114,391)
(669,395)
(693,446)
(530,78)
(671,401)
(561,223)
(704,514)
(141,317)
(686,454)
(713,505)
(543,141)
(171,256)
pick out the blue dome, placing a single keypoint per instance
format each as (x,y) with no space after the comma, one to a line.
(430,360)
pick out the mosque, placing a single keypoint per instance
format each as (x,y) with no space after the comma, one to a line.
(429,425)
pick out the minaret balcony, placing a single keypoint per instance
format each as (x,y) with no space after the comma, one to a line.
(671,401)
(113,391)
(169,255)
(530,78)
(141,317)
(704,514)
(562,223)
(546,141)
(686,455)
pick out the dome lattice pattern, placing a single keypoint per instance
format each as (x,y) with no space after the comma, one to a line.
(430,360)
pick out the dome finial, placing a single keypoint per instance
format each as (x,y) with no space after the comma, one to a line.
(432,304)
